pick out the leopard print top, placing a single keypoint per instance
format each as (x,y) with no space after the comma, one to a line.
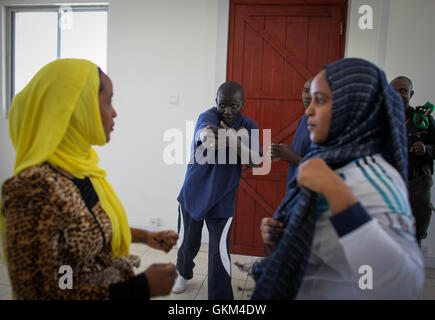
(48,226)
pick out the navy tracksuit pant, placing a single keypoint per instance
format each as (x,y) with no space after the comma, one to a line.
(219,263)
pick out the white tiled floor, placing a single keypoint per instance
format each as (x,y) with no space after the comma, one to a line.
(197,287)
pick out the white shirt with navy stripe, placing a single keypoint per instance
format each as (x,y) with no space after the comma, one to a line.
(368,251)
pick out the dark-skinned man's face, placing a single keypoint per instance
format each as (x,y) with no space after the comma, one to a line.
(404,89)
(229,106)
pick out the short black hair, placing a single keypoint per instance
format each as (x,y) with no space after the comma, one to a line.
(406,78)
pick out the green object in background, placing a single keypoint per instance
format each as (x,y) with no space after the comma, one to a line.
(420,119)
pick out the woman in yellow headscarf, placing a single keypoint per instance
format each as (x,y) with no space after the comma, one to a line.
(64,226)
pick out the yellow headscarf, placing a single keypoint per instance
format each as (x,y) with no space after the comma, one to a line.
(56,118)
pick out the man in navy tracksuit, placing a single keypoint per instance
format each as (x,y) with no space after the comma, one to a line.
(209,189)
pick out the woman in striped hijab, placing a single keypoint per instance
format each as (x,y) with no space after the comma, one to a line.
(345,230)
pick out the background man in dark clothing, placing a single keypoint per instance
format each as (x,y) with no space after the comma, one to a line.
(421,143)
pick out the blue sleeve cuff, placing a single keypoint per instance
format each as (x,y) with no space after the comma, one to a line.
(350,219)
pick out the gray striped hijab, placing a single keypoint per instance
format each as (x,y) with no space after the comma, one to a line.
(367,118)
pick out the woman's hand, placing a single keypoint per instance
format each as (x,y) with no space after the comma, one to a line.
(316,175)
(271,231)
(163,240)
(161,278)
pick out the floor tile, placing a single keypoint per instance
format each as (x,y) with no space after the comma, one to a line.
(201,266)
(428,282)
(202,295)
(198,286)
(4,289)
(155,257)
(141,268)
(238,288)
(160,256)
(204,247)
(202,255)
(241,258)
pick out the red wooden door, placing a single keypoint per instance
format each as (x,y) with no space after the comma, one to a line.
(273,48)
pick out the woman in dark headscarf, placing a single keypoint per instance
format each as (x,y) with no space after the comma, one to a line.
(345,230)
